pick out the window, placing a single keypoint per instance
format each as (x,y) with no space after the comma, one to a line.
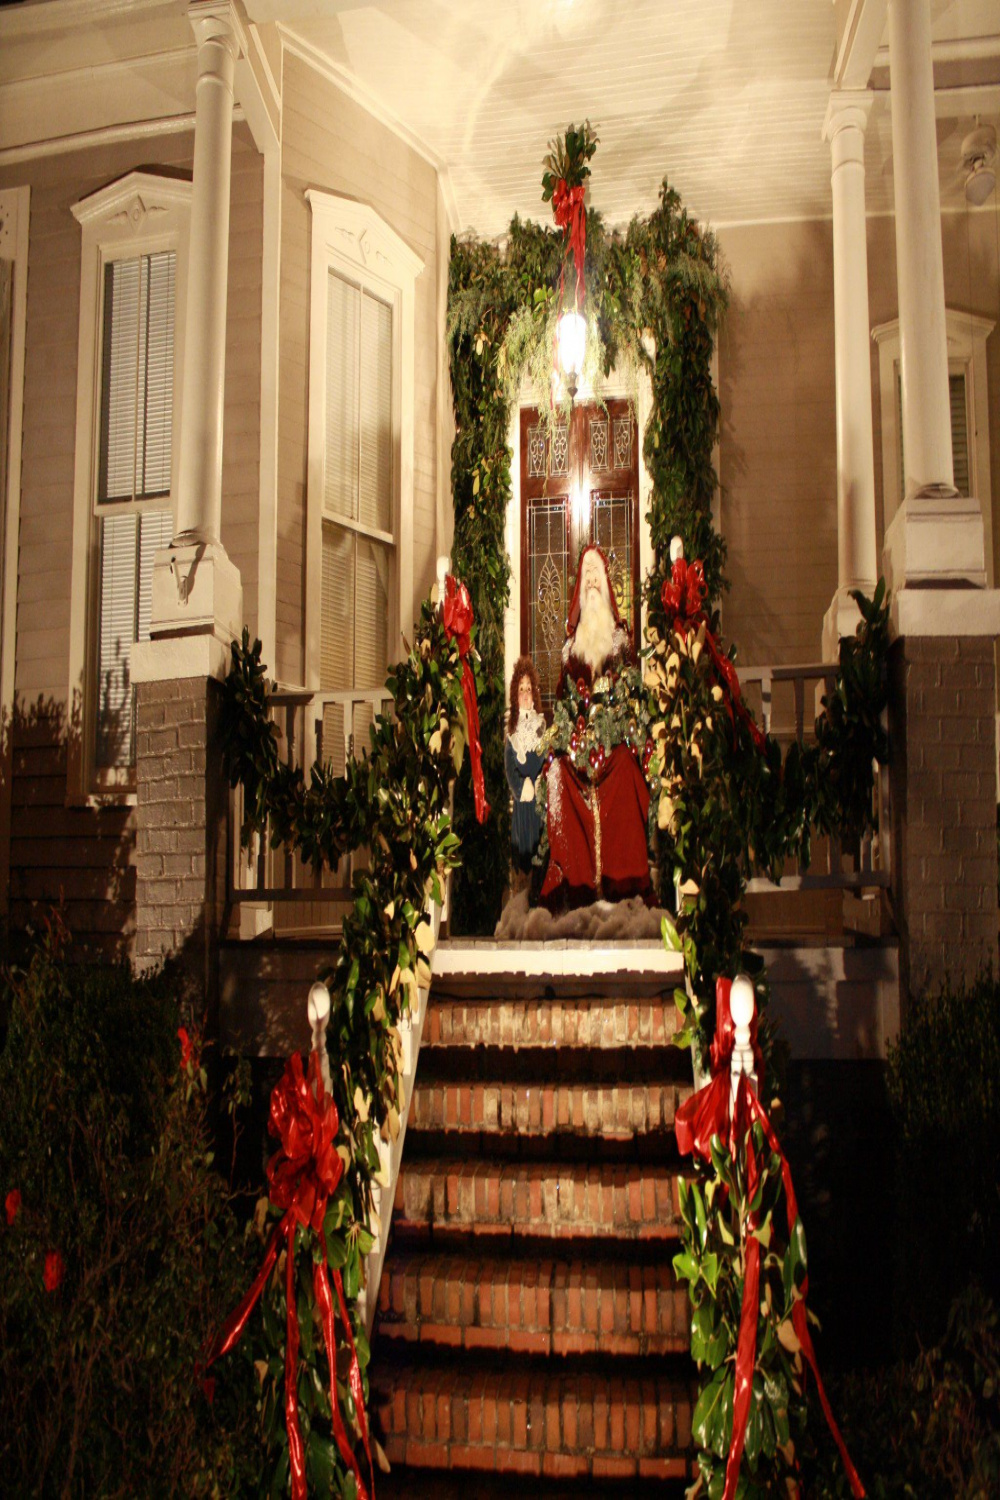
(359,538)
(962,458)
(134,248)
(970,434)
(359,572)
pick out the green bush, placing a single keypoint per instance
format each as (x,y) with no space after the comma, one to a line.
(929,1428)
(119,1246)
(944,1088)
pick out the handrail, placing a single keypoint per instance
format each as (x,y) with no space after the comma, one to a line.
(873,855)
(264,875)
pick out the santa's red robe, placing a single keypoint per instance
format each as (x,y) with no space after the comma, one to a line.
(597,833)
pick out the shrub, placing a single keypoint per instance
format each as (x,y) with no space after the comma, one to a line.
(927,1428)
(119,1246)
(944,1088)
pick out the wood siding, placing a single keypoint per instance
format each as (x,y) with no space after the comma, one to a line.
(83,856)
(778,442)
(330,142)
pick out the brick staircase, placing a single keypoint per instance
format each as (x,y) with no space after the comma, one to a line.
(528,1320)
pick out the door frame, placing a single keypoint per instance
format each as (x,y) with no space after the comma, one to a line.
(617,387)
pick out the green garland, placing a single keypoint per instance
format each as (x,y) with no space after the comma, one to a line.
(393,801)
(654,295)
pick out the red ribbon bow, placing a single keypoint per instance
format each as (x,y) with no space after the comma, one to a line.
(303,1174)
(683,596)
(702,1116)
(567,205)
(458,618)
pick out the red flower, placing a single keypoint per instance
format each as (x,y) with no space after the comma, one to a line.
(306,1169)
(55,1270)
(185,1042)
(12,1205)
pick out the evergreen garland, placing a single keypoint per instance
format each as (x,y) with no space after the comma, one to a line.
(654,295)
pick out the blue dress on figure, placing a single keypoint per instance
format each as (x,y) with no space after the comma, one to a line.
(523,761)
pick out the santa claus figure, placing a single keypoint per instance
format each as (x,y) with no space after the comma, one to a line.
(596,822)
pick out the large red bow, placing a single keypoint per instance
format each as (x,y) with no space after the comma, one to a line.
(705,1114)
(458,618)
(303,1174)
(683,596)
(571,218)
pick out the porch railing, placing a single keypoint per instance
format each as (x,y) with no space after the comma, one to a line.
(312,727)
(778,695)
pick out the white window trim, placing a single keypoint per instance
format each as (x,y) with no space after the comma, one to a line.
(967,335)
(139,214)
(352,239)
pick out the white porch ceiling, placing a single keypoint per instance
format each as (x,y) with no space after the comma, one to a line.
(726,98)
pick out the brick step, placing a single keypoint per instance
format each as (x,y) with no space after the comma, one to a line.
(541,1021)
(405,1483)
(557,1199)
(610,1110)
(563,1418)
(533,1306)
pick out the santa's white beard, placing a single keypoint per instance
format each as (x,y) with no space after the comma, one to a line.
(594,640)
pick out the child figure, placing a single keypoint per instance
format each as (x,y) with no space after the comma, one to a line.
(523,759)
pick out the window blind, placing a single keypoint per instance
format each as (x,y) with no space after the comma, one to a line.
(959,433)
(960,455)
(128,545)
(375,466)
(137,378)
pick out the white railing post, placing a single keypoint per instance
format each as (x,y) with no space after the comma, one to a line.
(743,1007)
(443,569)
(318,1011)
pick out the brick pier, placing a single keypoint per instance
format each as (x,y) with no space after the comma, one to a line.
(942,702)
(529,1321)
(181,827)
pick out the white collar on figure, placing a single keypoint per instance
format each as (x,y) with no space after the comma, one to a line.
(530,727)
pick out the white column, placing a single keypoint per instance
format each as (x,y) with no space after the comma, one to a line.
(197,596)
(199,483)
(857,567)
(919,264)
(936,536)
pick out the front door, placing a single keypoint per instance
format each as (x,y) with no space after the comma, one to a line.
(579,484)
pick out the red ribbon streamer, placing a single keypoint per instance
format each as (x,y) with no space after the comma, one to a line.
(571,218)
(683,595)
(705,1114)
(302,1175)
(458,618)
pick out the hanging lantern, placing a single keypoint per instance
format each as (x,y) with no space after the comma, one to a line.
(572,349)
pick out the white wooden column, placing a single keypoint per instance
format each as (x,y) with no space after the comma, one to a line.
(199,481)
(857,565)
(936,536)
(197,596)
(919,261)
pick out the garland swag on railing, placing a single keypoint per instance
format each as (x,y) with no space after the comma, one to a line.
(393,800)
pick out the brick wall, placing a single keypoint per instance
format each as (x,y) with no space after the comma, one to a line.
(944,855)
(181,835)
